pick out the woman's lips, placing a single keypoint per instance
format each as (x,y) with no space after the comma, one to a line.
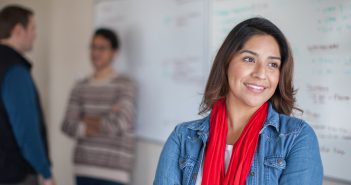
(255,88)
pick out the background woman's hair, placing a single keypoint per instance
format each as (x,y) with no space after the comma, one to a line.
(109,35)
(217,86)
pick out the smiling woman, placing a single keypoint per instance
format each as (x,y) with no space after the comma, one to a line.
(249,136)
(253,73)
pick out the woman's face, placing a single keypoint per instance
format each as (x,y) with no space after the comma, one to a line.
(253,72)
(101,52)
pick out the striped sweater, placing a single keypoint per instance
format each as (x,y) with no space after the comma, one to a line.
(110,154)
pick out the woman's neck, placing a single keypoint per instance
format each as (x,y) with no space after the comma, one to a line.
(238,116)
(104,73)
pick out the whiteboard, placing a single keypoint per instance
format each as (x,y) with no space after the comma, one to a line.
(164,47)
(168,46)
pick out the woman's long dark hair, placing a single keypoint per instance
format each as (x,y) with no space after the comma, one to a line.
(217,87)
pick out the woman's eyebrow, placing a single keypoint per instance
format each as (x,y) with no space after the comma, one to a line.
(248,51)
(275,58)
(256,54)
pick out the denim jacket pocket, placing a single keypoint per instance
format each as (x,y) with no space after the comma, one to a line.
(186,165)
(275,162)
(274,166)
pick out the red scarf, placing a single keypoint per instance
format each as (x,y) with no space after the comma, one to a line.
(243,149)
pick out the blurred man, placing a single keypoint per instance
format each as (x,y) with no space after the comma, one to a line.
(23,142)
(100,116)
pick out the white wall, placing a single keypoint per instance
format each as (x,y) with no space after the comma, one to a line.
(146,162)
(61,56)
(70,25)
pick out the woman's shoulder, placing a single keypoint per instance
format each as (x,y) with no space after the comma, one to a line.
(294,125)
(198,125)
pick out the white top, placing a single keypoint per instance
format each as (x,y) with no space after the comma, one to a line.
(227,156)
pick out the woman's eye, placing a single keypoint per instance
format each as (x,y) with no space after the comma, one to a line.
(249,59)
(273,65)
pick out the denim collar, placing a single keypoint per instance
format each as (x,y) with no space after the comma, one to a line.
(272,119)
(202,126)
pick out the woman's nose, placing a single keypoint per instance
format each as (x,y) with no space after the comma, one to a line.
(259,71)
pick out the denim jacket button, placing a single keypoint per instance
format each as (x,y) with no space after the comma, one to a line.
(279,161)
(252,173)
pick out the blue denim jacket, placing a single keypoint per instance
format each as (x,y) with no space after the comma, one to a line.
(287,153)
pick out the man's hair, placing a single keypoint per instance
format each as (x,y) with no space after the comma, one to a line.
(12,15)
(110,35)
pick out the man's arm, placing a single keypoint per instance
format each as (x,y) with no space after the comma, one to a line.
(20,102)
(72,125)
